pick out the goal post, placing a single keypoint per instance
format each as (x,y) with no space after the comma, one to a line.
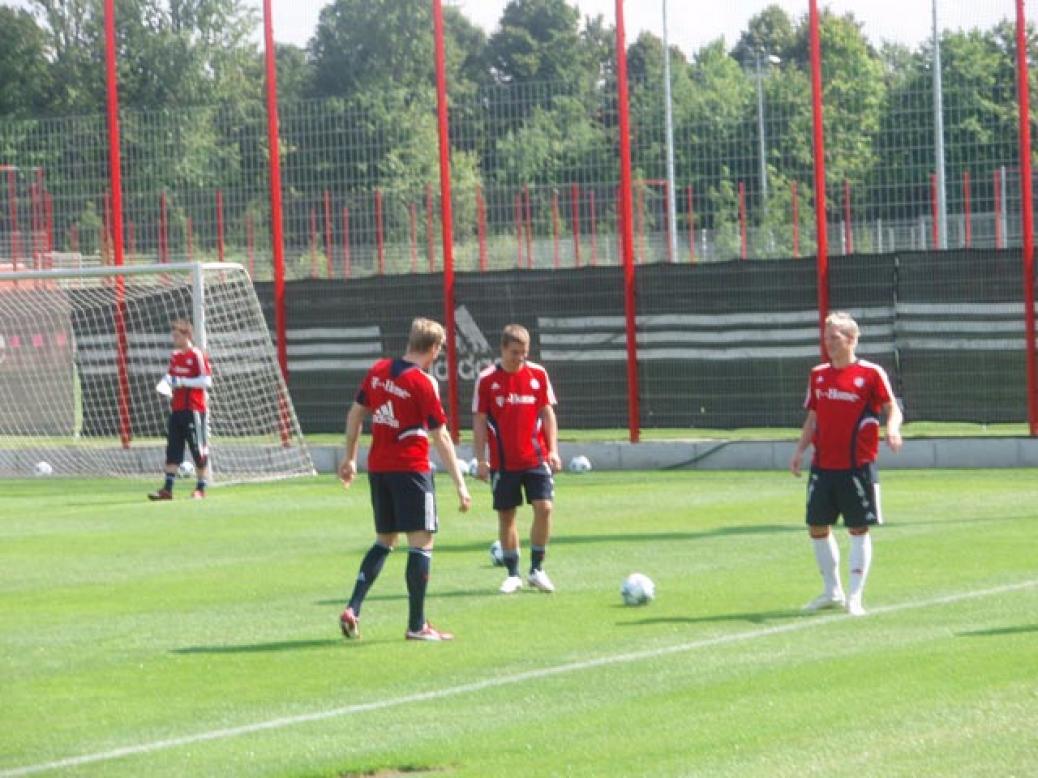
(81,351)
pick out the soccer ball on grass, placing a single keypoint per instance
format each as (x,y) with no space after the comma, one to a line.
(43,469)
(580,464)
(637,589)
(186,470)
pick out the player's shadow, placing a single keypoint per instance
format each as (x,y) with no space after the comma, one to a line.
(401,596)
(645,537)
(759,617)
(267,648)
(1016,630)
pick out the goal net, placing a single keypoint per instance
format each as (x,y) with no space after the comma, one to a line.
(81,352)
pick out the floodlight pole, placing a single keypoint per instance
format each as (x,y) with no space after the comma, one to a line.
(760,133)
(938,132)
(672,206)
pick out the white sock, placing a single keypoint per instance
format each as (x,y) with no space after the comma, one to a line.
(860,561)
(827,553)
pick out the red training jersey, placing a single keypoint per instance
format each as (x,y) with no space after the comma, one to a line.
(405,404)
(848,402)
(513,403)
(189,363)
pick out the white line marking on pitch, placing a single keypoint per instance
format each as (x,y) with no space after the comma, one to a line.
(490,683)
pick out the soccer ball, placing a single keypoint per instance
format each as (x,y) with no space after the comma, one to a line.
(580,464)
(43,469)
(473,467)
(186,469)
(497,554)
(637,589)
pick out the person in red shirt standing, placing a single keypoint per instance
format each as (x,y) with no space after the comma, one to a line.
(845,398)
(514,418)
(187,382)
(403,401)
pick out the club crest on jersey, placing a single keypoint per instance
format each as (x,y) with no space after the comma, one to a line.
(535,384)
(859,382)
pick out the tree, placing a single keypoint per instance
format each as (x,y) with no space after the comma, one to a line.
(25,79)
(538,41)
(770,32)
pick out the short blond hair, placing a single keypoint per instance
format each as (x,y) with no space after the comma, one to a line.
(426,335)
(844,322)
(514,333)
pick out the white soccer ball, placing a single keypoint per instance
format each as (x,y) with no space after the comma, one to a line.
(186,469)
(580,464)
(497,554)
(43,469)
(473,467)
(637,589)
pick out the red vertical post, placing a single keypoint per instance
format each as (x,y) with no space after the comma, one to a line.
(34,223)
(555,227)
(517,208)
(106,228)
(933,211)
(1027,212)
(998,211)
(481,230)
(968,216)
(313,242)
(219,225)
(574,207)
(329,227)
(163,230)
(276,226)
(627,228)
(529,227)
(48,218)
(12,212)
(743,247)
(447,219)
(848,226)
(347,260)
(380,238)
(818,132)
(430,243)
(413,213)
(794,194)
(666,218)
(250,244)
(691,225)
(116,185)
(594,227)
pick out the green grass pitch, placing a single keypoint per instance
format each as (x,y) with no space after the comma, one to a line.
(149,638)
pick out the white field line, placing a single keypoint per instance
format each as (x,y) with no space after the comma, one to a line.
(491,683)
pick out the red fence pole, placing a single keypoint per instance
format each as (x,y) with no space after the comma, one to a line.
(313,242)
(1027,212)
(848,227)
(574,206)
(12,211)
(481,230)
(430,243)
(626,219)
(818,127)
(691,225)
(219,225)
(116,184)
(35,223)
(329,245)
(347,260)
(250,244)
(796,220)
(934,240)
(163,230)
(744,248)
(48,217)
(447,219)
(594,228)
(517,211)
(555,227)
(968,218)
(998,211)
(529,227)
(380,237)
(666,219)
(414,238)
(276,226)
(106,229)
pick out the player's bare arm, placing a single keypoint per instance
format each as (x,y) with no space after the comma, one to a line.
(479,445)
(445,448)
(894,421)
(807,434)
(354,424)
(550,425)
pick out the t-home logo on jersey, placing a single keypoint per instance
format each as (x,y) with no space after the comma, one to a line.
(475,353)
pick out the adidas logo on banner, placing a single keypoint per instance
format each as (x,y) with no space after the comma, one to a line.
(384,415)
(474,350)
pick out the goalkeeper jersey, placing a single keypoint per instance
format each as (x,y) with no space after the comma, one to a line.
(189,363)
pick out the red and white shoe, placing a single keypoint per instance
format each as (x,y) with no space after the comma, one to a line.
(429,633)
(161,494)
(197,494)
(349,624)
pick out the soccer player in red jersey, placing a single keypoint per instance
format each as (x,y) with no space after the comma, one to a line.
(403,401)
(188,379)
(845,398)
(514,417)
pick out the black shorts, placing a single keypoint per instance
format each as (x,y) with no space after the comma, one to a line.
(403,502)
(190,429)
(509,486)
(853,494)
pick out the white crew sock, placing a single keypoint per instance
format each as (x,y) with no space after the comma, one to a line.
(827,553)
(860,561)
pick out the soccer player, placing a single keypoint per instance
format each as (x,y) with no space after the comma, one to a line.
(403,401)
(845,398)
(189,378)
(514,417)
